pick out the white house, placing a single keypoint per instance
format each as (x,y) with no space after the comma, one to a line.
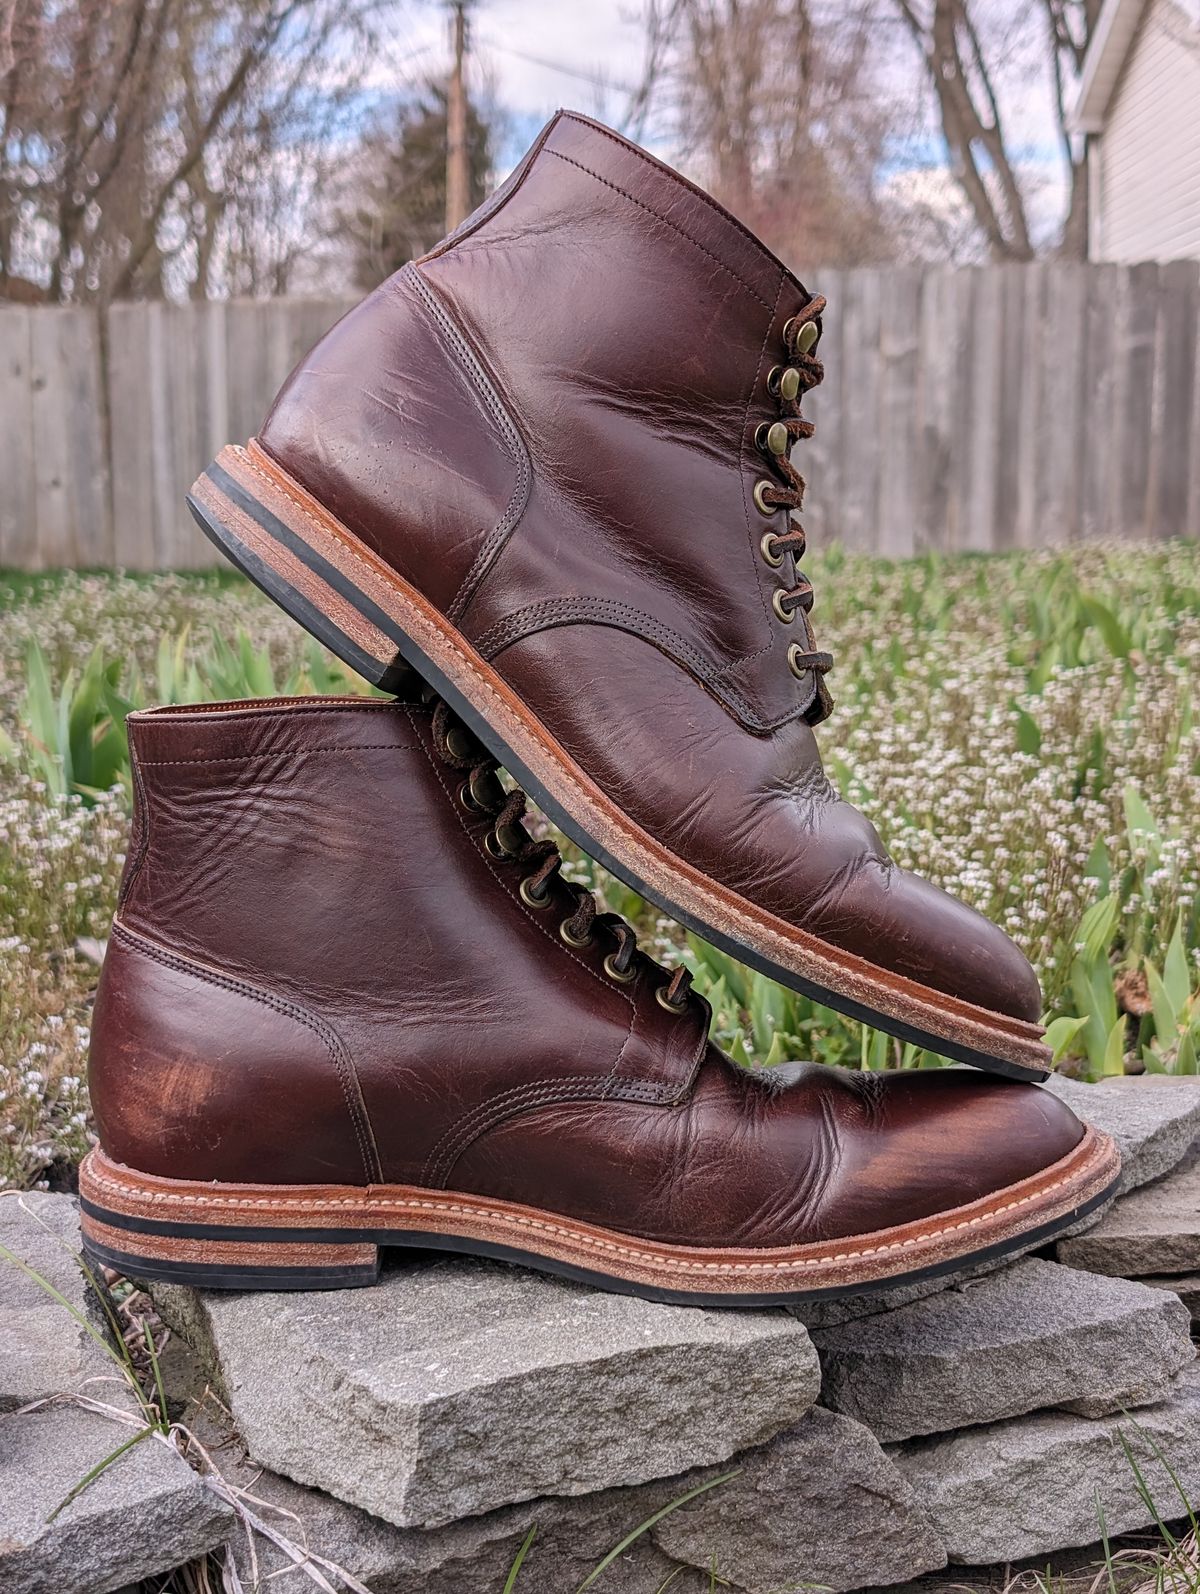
(1139,105)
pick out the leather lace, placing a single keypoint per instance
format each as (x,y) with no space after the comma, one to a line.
(509,840)
(789,494)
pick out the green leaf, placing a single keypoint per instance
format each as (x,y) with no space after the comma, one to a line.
(1060,1033)
(510,1582)
(1097,925)
(765,1007)
(778,1052)
(1176,977)
(631,1538)
(1113,1061)
(1138,818)
(1166,1015)
(737,1049)
(1185,1058)
(1029,736)
(1116,638)
(1099,866)
(1152,1062)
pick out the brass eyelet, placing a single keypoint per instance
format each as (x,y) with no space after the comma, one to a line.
(530,898)
(783,609)
(664,1001)
(459,742)
(467,798)
(507,846)
(614,973)
(769,551)
(806,335)
(486,791)
(760,487)
(774,378)
(572,940)
(773,439)
(794,654)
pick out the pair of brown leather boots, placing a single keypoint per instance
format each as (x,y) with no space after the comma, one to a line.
(539,486)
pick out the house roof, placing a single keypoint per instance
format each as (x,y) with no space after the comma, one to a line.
(1102,64)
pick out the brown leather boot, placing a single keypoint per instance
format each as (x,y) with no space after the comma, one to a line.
(315,1036)
(548,465)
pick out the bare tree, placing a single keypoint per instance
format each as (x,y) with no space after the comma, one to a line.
(157,146)
(783,119)
(963,47)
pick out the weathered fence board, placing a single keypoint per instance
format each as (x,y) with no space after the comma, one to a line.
(983,408)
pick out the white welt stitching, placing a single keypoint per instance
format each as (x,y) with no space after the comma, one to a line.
(514,1220)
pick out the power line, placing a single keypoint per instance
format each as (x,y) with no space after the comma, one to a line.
(562,67)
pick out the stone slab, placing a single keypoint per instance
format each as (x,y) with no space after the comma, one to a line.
(1185,1285)
(43,1350)
(452,1387)
(1155,1229)
(1154,1118)
(1037,1484)
(146,1514)
(820,1506)
(1029,1336)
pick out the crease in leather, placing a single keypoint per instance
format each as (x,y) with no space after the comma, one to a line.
(512,1103)
(551,613)
(485,394)
(339,1056)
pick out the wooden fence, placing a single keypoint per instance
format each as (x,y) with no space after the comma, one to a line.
(988,408)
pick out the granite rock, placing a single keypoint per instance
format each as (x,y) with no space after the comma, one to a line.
(44,1350)
(1154,1118)
(1155,1229)
(145,1514)
(1037,1484)
(454,1387)
(1032,1335)
(819,1505)
(1185,1285)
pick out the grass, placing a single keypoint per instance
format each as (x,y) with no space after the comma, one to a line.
(1019,727)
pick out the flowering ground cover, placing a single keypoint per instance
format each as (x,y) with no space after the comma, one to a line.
(1021,729)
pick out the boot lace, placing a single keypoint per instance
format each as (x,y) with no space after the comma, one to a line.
(507,840)
(788,384)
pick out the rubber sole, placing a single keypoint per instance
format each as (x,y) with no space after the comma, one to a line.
(259,1237)
(351,601)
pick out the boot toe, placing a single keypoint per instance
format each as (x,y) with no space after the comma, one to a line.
(932,1141)
(903,923)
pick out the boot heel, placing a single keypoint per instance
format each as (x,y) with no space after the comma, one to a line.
(287,545)
(145,1234)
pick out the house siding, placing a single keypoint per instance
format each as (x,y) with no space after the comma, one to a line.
(1148,186)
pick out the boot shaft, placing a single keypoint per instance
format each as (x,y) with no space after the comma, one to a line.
(562,400)
(314,930)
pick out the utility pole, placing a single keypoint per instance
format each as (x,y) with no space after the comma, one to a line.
(458,165)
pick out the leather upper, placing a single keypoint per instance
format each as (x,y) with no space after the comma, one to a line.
(548,427)
(320,974)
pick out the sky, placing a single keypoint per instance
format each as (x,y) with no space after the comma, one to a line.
(586,54)
(542,54)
